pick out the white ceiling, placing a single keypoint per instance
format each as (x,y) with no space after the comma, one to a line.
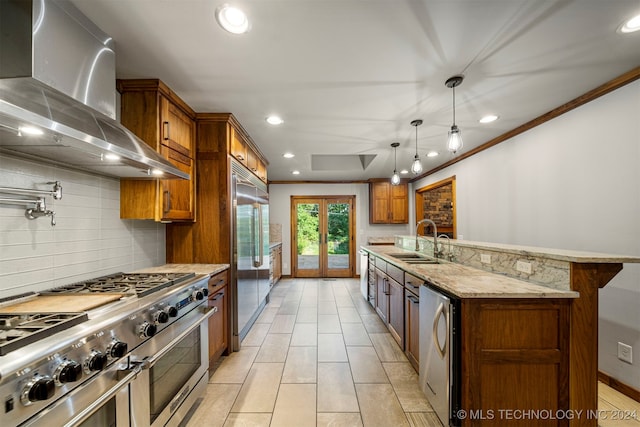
(348,76)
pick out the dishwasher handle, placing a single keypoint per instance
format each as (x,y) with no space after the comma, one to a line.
(442,351)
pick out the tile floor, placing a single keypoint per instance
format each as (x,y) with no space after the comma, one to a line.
(318,355)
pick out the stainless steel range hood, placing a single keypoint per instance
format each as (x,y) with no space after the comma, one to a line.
(57,77)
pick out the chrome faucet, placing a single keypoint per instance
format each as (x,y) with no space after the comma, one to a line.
(441,251)
(41,210)
(435,236)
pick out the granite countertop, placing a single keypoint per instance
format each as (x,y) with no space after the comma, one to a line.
(210,269)
(274,244)
(556,254)
(384,240)
(468,282)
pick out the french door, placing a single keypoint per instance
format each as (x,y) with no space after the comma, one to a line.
(322,230)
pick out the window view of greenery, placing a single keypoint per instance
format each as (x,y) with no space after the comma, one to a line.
(338,227)
(308,228)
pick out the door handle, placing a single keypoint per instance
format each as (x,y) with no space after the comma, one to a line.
(166,130)
(442,351)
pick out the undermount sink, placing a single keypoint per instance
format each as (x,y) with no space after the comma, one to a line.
(413,258)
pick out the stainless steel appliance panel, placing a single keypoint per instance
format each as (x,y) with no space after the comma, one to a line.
(364,274)
(173,365)
(436,347)
(250,237)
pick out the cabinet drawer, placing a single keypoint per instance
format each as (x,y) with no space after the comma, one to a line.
(395,273)
(216,281)
(412,283)
(380,264)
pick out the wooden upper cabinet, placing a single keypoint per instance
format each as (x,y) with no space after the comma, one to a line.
(242,148)
(388,204)
(161,119)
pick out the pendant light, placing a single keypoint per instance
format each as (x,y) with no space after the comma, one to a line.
(454,142)
(416,166)
(395,178)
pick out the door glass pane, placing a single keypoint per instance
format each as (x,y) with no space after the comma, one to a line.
(308,242)
(338,235)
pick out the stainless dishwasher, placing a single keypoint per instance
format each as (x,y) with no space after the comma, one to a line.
(439,353)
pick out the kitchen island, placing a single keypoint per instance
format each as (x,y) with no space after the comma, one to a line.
(525,344)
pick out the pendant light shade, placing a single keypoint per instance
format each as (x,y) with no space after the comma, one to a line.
(416,166)
(395,178)
(454,142)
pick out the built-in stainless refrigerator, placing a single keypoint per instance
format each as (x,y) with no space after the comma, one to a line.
(250,238)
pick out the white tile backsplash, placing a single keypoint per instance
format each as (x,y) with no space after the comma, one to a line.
(89,239)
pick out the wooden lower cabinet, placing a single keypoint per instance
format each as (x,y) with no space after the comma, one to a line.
(412,329)
(219,321)
(514,361)
(396,311)
(382,295)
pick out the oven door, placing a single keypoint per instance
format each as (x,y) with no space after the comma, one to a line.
(174,371)
(102,401)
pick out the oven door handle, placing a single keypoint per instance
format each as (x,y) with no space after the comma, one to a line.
(147,363)
(89,410)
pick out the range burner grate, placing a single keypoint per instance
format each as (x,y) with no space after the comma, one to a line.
(20,329)
(140,284)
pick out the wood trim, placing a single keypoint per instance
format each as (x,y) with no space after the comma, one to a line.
(418,206)
(616,83)
(320,182)
(586,279)
(231,119)
(155,85)
(619,386)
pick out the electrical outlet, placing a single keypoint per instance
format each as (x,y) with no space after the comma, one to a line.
(485,258)
(523,267)
(625,352)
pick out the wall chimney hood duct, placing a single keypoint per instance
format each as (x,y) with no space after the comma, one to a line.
(57,78)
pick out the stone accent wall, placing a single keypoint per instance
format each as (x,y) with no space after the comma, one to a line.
(437,205)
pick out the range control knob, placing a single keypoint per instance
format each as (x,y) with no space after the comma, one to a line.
(171,311)
(69,371)
(197,295)
(97,361)
(39,388)
(117,349)
(161,317)
(147,330)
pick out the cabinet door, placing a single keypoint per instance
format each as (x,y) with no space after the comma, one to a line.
(177,127)
(396,311)
(382,296)
(217,325)
(379,195)
(399,202)
(238,147)
(262,171)
(178,195)
(252,161)
(412,329)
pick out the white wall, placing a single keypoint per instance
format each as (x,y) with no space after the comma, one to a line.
(89,239)
(280,213)
(573,183)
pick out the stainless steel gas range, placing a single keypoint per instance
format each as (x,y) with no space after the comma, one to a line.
(138,361)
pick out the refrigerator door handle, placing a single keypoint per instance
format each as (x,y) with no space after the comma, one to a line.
(261,238)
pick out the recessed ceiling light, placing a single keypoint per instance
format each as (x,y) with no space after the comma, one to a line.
(232,19)
(631,25)
(288,155)
(274,120)
(432,154)
(488,118)
(404,171)
(296,172)
(30,130)
(111,156)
